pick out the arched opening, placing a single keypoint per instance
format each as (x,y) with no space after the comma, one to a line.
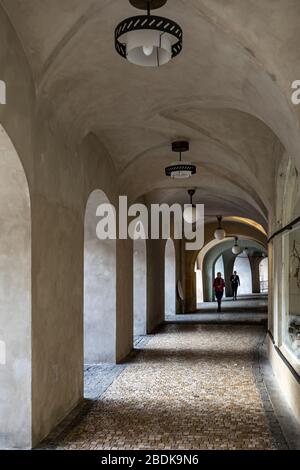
(99,287)
(15,294)
(218,257)
(263,276)
(139,287)
(243,268)
(170,279)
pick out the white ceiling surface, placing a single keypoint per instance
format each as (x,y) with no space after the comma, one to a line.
(228,93)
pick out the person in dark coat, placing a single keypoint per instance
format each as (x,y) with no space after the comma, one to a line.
(219,286)
(235,283)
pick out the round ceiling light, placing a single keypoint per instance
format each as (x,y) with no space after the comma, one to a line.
(190,211)
(148,40)
(236,249)
(220,233)
(180,169)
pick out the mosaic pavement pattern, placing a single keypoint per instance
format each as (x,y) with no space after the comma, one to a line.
(190,387)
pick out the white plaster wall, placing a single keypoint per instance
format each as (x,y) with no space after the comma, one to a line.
(243,268)
(99,288)
(16,174)
(140,287)
(15,295)
(264,273)
(61,175)
(286,210)
(170,279)
(199,286)
(288,383)
(64,186)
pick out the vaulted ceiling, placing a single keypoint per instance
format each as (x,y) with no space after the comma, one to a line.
(228,93)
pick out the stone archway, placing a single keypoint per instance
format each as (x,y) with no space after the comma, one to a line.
(15,294)
(170,279)
(99,288)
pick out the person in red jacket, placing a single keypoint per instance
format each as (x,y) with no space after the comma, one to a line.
(219,286)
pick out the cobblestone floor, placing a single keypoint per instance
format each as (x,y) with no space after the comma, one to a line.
(190,387)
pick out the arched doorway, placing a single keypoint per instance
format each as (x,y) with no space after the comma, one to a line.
(139,287)
(99,287)
(15,305)
(243,268)
(263,275)
(170,279)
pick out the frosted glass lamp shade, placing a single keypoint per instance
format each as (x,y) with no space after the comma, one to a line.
(236,249)
(220,234)
(148,40)
(148,48)
(190,214)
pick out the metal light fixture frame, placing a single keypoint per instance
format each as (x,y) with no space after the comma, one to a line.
(148,22)
(219,219)
(236,245)
(180,147)
(191,193)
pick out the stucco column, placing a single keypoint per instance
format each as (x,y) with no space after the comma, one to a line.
(190,283)
(254,263)
(124,307)
(228,259)
(155,283)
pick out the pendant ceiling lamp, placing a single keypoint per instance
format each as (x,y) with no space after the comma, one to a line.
(236,249)
(220,233)
(180,169)
(190,211)
(148,40)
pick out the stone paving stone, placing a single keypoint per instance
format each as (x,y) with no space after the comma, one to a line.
(189,387)
(97,378)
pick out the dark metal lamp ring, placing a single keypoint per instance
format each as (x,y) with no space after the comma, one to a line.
(148,22)
(181,167)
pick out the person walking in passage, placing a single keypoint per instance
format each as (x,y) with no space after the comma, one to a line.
(219,286)
(235,283)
